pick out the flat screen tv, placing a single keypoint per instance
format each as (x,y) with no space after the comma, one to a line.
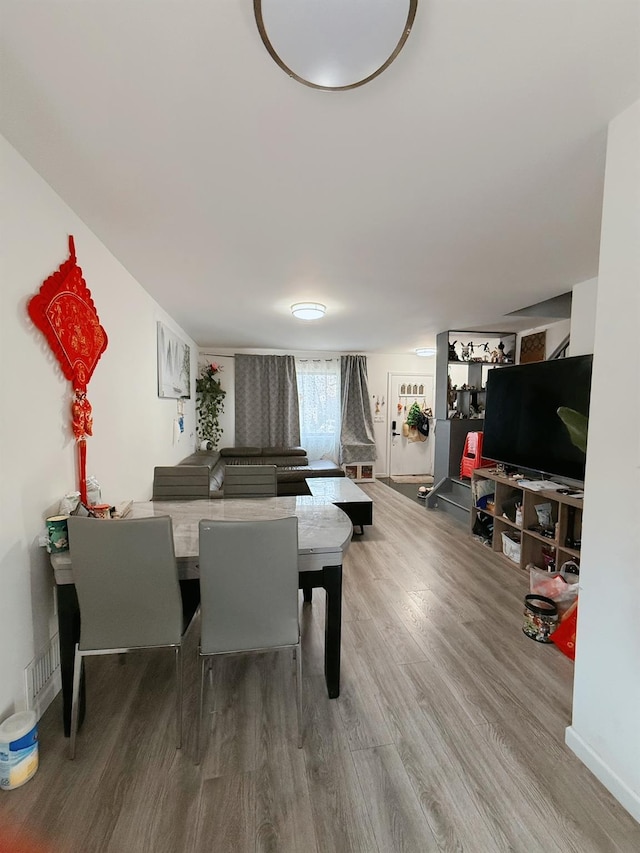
(521,425)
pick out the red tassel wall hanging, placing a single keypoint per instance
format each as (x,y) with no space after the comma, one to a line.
(64,312)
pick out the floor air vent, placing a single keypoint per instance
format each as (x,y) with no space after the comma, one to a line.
(42,678)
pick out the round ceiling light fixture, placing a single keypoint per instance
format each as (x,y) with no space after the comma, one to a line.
(426,351)
(308,310)
(334,45)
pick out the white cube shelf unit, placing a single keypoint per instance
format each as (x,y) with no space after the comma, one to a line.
(360,472)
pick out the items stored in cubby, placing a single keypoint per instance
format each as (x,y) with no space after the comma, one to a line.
(549,523)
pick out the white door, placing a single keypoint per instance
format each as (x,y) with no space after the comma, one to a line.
(403,390)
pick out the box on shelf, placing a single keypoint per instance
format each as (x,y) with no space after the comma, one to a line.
(360,472)
(511,546)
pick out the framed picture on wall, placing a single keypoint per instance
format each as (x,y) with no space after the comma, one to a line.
(174,364)
(533,347)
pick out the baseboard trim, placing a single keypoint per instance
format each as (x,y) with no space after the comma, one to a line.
(612,782)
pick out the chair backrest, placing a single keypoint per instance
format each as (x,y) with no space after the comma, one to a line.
(126,579)
(181,482)
(250,481)
(473,445)
(248,584)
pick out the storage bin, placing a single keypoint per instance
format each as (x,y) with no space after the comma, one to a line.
(511,546)
(540,617)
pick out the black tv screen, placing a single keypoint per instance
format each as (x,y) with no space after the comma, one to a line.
(522,427)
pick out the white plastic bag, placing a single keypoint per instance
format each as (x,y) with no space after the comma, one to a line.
(94,495)
(69,503)
(558,586)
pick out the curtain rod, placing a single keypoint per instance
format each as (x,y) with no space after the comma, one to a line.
(222,355)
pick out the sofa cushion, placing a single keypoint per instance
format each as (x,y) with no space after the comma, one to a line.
(217,477)
(278,461)
(240,451)
(284,451)
(319,468)
(325,468)
(208,458)
(284,461)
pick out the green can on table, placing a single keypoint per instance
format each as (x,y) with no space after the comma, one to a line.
(57,534)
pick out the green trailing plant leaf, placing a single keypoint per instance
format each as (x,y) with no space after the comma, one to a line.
(209,404)
(577,425)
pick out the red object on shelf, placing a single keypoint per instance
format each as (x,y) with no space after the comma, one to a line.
(64,312)
(472,455)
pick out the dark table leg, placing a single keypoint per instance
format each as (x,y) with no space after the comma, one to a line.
(307,593)
(332,629)
(331,579)
(359,514)
(190,592)
(69,633)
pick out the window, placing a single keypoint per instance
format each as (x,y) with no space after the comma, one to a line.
(319,403)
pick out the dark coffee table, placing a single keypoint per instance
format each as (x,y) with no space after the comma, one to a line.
(344,493)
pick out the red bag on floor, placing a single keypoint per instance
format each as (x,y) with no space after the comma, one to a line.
(565,634)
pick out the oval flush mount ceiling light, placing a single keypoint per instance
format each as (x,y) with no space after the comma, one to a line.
(308,310)
(426,351)
(334,44)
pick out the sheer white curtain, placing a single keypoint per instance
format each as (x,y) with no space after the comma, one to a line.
(319,402)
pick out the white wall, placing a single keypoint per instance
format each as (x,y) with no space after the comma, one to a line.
(581,326)
(133,428)
(605,730)
(583,317)
(378,366)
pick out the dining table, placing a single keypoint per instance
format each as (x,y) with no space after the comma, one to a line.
(324,534)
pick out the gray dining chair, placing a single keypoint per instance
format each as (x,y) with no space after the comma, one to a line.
(248,595)
(250,481)
(126,579)
(181,482)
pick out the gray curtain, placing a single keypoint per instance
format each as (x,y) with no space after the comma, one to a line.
(357,443)
(266,398)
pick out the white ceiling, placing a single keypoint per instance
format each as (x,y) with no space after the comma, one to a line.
(462,183)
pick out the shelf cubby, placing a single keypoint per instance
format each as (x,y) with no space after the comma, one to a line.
(565,521)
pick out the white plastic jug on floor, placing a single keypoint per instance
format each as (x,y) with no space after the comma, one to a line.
(18,749)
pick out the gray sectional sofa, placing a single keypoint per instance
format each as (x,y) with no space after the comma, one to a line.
(190,476)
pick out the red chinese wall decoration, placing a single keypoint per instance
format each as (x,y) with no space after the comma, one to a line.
(64,312)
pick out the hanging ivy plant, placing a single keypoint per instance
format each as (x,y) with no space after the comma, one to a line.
(209,403)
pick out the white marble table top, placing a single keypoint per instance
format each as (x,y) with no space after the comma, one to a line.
(337,490)
(324,531)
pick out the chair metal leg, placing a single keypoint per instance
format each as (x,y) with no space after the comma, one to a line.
(77,672)
(203,665)
(178,697)
(298,657)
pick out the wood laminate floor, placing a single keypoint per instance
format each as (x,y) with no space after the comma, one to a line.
(448,734)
